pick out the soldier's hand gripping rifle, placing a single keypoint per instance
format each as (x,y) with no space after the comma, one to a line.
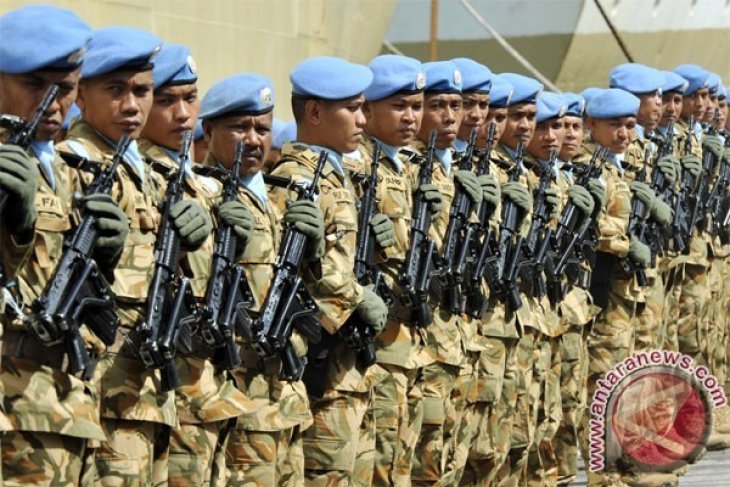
(170,295)
(288,304)
(570,238)
(415,278)
(22,134)
(719,199)
(701,197)
(638,225)
(77,293)
(661,187)
(540,236)
(449,271)
(479,238)
(228,293)
(357,334)
(681,233)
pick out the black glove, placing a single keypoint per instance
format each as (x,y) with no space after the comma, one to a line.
(192,223)
(306,217)
(19,178)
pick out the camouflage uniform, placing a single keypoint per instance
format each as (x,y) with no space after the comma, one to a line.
(136,414)
(610,339)
(397,406)
(340,446)
(443,342)
(576,312)
(265,443)
(207,398)
(50,414)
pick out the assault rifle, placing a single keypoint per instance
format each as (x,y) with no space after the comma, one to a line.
(638,224)
(502,268)
(22,134)
(77,292)
(288,304)
(664,190)
(228,293)
(449,275)
(538,241)
(170,296)
(700,197)
(479,238)
(681,233)
(357,334)
(415,278)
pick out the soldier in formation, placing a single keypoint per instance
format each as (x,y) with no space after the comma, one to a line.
(418,281)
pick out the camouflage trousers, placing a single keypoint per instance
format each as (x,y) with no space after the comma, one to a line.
(44,459)
(135,453)
(517,414)
(609,341)
(196,454)
(339,447)
(483,457)
(263,458)
(672,279)
(648,333)
(439,417)
(573,376)
(718,334)
(542,462)
(466,420)
(693,307)
(398,414)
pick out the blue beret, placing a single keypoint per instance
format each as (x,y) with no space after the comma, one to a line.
(698,78)
(589,93)
(714,83)
(73,113)
(41,36)
(526,89)
(393,74)
(550,105)
(501,93)
(636,78)
(288,133)
(475,77)
(613,103)
(575,103)
(721,92)
(198,133)
(442,76)
(329,78)
(244,93)
(174,65)
(674,82)
(118,47)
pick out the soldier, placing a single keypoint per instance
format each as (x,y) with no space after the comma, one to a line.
(646,84)
(442,113)
(483,460)
(200,149)
(576,310)
(115,98)
(51,414)
(327,104)
(206,398)
(265,444)
(287,133)
(393,110)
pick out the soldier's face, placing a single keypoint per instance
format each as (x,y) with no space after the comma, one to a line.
(548,136)
(723,120)
(341,123)
(20,95)
(117,103)
(520,124)
(223,134)
(650,110)
(443,113)
(498,116)
(475,109)
(573,137)
(695,104)
(613,133)
(711,107)
(394,120)
(174,110)
(671,108)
